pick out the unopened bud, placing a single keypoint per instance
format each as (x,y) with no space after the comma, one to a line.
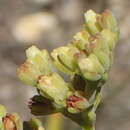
(36,124)
(64,58)
(110,37)
(76,103)
(12,122)
(108,21)
(54,88)
(92,116)
(40,59)
(81,39)
(91,68)
(99,47)
(91,22)
(28,73)
(97,43)
(104,59)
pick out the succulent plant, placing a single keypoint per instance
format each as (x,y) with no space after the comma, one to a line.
(87,60)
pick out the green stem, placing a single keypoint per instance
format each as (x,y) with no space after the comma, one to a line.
(54,122)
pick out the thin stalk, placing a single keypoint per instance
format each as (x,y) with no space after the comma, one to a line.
(54,122)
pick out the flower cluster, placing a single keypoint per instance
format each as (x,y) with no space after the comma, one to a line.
(86,60)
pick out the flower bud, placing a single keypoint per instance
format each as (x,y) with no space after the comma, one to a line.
(32,52)
(97,43)
(54,88)
(108,21)
(110,37)
(28,73)
(91,68)
(104,59)
(81,39)
(40,59)
(41,106)
(64,58)
(91,22)
(36,124)
(99,47)
(12,122)
(92,116)
(9,121)
(76,103)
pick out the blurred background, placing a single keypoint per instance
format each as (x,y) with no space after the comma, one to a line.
(52,23)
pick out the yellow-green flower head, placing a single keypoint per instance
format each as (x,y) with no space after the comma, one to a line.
(87,60)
